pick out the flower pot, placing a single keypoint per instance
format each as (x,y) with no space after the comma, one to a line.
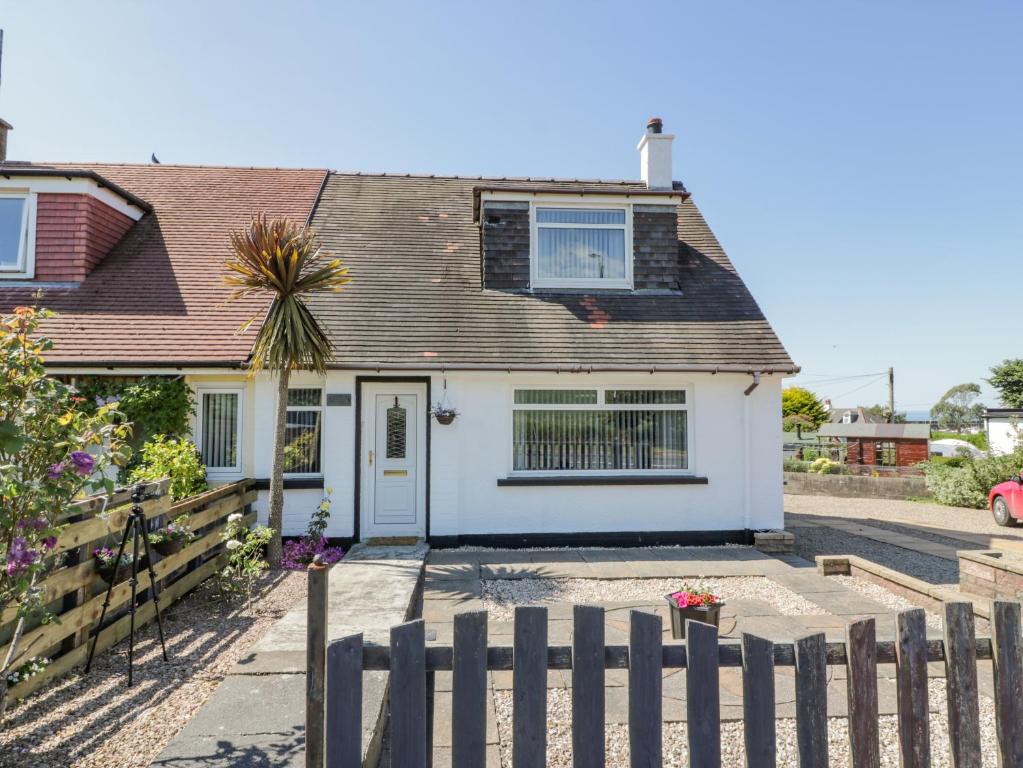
(708,614)
(115,575)
(445,418)
(171,547)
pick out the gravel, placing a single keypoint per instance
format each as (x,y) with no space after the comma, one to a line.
(811,541)
(910,513)
(96,721)
(500,596)
(559,736)
(886,597)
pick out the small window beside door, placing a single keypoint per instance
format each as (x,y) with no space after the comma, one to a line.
(303,432)
(219,430)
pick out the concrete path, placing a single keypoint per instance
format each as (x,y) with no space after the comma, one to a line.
(256,717)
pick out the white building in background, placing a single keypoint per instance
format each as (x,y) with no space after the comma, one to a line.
(1004,428)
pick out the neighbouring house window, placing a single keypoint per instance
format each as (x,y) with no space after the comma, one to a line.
(17,240)
(600,430)
(581,247)
(303,431)
(219,436)
(885,454)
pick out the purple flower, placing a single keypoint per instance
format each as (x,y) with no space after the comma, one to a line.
(36,523)
(20,556)
(84,463)
(99,400)
(50,542)
(56,471)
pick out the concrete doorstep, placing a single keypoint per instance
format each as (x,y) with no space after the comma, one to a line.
(256,716)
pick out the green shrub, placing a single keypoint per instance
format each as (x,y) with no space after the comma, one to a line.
(967,483)
(175,458)
(795,465)
(949,461)
(825,466)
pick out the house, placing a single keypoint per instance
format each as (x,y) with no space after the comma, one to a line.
(1003,429)
(880,445)
(614,379)
(855,415)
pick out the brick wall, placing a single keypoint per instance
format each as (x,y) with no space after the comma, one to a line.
(655,247)
(908,452)
(73,234)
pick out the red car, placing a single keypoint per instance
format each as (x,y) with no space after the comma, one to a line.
(1006,501)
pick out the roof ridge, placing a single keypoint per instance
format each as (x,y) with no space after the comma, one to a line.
(473,177)
(204,166)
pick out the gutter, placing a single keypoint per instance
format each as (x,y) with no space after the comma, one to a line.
(9,171)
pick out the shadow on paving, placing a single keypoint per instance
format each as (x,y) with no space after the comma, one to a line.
(86,712)
(280,748)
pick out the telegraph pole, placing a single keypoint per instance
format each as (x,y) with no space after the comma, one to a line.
(891,395)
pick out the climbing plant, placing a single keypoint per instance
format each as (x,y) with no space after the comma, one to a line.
(155,405)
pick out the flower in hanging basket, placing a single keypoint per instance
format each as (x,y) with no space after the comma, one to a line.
(172,537)
(444,414)
(109,567)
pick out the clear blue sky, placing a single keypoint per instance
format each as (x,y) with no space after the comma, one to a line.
(861,162)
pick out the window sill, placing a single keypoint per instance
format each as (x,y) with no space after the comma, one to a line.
(292,483)
(540,480)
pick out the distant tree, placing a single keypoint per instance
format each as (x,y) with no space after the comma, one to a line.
(956,410)
(1007,378)
(802,403)
(881,411)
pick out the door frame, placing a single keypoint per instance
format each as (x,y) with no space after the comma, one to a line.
(425,413)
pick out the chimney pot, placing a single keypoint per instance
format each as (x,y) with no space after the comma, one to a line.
(655,155)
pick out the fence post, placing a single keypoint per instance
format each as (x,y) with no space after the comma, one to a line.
(812,701)
(1008,678)
(344,703)
(408,695)
(316,649)
(861,694)
(529,688)
(961,686)
(588,686)
(703,695)
(469,691)
(645,686)
(911,685)
(758,707)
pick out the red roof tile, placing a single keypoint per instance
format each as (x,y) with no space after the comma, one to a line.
(158,297)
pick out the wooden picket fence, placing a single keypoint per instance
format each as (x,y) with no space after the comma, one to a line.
(74,592)
(411,665)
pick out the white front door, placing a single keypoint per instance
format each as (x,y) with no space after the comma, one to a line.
(393,454)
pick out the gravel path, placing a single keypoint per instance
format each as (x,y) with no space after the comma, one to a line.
(886,597)
(906,512)
(500,596)
(559,736)
(811,541)
(96,721)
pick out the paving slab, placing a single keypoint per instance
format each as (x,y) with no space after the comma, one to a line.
(256,716)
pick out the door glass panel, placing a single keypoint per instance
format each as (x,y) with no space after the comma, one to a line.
(396,432)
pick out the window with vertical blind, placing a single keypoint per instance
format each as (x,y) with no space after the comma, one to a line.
(581,247)
(600,430)
(303,431)
(219,435)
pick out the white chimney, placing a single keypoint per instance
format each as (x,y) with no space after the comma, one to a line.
(655,155)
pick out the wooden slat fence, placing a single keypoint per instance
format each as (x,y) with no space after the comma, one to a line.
(75,592)
(411,665)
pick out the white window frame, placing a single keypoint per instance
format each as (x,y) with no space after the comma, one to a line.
(593,283)
(323,416)
(687,406)
(25,269)
(239,425)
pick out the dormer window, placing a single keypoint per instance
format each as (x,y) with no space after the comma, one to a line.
(581,246)
(17,238)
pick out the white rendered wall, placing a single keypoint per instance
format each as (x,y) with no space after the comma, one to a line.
(470,455)
(1003,434)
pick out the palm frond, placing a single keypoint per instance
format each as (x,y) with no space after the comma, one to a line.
(281,259)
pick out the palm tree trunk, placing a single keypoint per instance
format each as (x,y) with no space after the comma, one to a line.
(273,549)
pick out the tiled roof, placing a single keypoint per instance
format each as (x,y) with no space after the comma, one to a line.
(909,431)
(416,299)
(159,298)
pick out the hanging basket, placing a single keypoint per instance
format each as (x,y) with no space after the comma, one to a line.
(445,417)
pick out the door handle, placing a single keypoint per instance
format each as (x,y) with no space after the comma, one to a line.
(371,458)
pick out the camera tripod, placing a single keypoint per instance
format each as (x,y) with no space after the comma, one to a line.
(135,527)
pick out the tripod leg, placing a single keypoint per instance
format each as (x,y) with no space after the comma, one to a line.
(106,601)
(153,589)
(134,591)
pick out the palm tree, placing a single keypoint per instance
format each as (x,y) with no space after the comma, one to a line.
(281,259)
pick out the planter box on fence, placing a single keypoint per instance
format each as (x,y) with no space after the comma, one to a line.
(809,484)
(73,592)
